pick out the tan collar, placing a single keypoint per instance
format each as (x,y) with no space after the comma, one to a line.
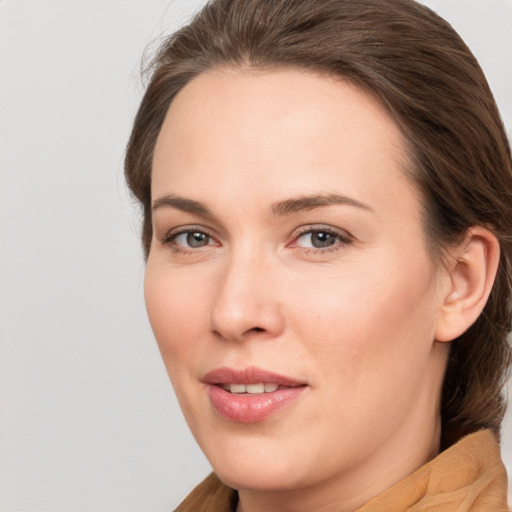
(467,477)
(211,495)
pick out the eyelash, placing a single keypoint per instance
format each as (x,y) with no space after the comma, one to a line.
(170,239)
(343,239)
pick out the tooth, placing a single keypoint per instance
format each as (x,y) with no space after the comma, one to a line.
(269,388)
(237,388)
(254,388)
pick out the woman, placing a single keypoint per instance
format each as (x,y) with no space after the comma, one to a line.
(327,194)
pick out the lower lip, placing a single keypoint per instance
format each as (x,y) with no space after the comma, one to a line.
(251,408)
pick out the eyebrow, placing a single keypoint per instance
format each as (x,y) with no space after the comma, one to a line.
(183,204)
(279,209)
(304,203)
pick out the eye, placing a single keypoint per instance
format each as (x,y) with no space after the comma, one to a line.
(321,238)
(192,239)
(317,239)
(189,239)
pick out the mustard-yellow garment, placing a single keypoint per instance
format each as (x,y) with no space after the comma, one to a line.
(467,477)
(211,495)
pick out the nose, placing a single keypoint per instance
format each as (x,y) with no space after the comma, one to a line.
(246,303)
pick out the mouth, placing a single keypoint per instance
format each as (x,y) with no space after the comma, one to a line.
(251,389)
(250,395)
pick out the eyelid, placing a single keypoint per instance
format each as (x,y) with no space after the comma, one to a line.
(345,238)
(173,233)
(342,233)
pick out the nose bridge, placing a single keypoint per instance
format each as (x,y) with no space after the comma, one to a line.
(246,301)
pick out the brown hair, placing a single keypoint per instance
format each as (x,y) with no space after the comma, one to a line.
(416,65)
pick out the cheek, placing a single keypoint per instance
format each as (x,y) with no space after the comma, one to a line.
(360,334)
(177,311)
(367,316)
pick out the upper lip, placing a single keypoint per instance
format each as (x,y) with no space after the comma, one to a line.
(250,375)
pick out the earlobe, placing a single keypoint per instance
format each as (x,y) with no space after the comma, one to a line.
(471,277)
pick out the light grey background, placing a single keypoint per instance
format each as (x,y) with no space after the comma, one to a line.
(88,420)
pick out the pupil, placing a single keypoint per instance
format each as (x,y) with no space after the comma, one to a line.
(322,239)
(197,239)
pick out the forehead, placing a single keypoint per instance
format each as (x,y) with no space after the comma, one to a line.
(275,133)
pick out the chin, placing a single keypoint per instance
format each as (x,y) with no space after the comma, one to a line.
(259,463)
(259,478)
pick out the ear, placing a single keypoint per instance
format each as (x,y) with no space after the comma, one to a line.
(472,269)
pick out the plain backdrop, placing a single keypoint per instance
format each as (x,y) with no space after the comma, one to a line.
(88,420)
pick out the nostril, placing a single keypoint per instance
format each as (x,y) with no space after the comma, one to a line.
(257,329)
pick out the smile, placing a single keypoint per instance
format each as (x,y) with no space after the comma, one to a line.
(250,395)
(238,389)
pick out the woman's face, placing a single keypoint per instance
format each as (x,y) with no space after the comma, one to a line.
(288,251)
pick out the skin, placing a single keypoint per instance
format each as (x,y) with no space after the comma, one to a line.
(357,320)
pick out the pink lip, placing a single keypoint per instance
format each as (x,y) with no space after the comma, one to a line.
(250,408)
